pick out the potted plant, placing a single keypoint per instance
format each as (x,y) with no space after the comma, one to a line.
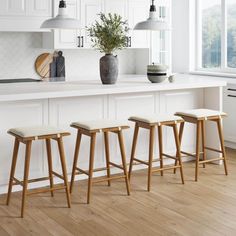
(108,35)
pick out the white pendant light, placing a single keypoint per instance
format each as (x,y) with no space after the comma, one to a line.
(153,22)
(62,20)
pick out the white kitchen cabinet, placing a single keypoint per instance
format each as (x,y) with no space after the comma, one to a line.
(168,102)
(64,111)
(117,6)
(229,106)
(172,101)
(121,107)
(24,15)
(39,7)
(20,114)
(84,10)
(138,11)
(89,13)
(13,7)
(25,7)
(64,38)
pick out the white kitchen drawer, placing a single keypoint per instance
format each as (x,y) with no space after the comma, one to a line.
(229,106)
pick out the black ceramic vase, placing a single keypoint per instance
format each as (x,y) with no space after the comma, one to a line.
(109,69)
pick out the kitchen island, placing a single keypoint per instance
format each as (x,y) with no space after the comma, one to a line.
(60,103)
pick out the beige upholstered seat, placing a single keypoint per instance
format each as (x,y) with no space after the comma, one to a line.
(36,131)
(156,118)
(100,124)
(200,113)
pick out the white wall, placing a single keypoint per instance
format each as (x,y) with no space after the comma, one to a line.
(18,52)
(183,35)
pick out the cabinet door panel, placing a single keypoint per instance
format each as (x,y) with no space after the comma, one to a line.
(20,114)
(13,7)
(67,38)
(121,107)
(117,6)
(64,111)
(89,13)
(39,8)
(172,102)
(138,11)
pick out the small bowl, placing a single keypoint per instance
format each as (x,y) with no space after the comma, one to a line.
(171,78)
(157,78)
(157,73)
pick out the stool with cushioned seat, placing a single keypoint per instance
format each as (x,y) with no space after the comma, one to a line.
(199,117)
(27,135)
(150,123)
(91,128)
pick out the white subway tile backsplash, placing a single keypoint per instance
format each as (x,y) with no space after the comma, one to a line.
(18,52)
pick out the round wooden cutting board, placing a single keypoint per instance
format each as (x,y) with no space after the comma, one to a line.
(42,64)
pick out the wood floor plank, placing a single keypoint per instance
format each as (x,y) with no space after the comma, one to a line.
(3,232)
(206,207)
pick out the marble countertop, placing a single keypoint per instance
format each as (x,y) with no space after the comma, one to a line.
(77,86)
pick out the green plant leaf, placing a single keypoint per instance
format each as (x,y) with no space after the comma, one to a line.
(109,33)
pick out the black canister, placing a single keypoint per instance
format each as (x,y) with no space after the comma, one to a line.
(60,65)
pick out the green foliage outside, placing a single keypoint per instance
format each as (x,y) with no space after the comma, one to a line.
(211,37)
(232,37)
(109,33)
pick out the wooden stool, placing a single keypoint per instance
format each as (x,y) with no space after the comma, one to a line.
(26,135)
(156,120)
(91,128)
(199,117)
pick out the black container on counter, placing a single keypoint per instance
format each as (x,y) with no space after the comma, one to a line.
(60,65)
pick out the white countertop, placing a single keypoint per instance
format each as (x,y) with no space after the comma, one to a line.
(125,84)
(229,78)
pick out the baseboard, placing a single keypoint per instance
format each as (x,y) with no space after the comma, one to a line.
(229,144)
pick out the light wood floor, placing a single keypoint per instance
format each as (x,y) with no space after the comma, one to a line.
(207,207)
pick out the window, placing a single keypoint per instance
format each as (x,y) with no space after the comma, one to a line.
(231,34)
(216,50)
(161,40)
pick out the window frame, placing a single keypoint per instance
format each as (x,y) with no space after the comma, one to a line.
(198,62)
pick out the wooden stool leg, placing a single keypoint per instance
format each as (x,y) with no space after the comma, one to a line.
(151,148)
(122,151)
(197,149)
(160,142)
(13,168)
(26,175)
(178,156)
(203,141)
(91,163)
(63,166)
(76,155)
(220,130)
(136,130)
(181,130)
(49,155)
(106,141)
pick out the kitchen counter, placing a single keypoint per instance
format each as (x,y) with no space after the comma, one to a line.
(227,77)
(61,103)
(125,84)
